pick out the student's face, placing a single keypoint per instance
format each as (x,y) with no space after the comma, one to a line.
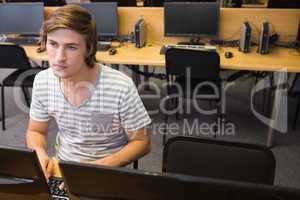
(66,53)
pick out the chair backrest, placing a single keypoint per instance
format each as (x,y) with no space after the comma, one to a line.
(13,56)
(219,159)
(203,65)
(126,3)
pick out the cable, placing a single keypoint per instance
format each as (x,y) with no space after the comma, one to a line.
(160,76)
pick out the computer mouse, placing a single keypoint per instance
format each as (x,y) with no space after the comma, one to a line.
(228,54)
(112,51)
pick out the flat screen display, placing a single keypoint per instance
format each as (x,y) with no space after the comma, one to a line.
(21,18)
(105,15)
(188,19)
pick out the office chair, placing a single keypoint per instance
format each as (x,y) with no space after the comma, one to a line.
(123,3)
(201,69)
(219,159)
(283,4)
(294,91)
(14,57)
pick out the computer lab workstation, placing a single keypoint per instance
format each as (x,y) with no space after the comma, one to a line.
(227,31)
(143,36)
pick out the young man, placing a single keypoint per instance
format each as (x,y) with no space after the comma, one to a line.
(100,116)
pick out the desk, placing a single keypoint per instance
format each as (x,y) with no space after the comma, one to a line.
(278,58)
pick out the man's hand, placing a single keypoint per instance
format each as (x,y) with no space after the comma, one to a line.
(47,165)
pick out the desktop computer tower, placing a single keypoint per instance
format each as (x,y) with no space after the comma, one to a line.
(298,37)
(245,39)
(140,32)
(263,47)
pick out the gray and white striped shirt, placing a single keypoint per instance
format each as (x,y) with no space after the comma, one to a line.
(98,127)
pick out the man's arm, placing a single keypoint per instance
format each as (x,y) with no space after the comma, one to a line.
(36,139)
(138,146)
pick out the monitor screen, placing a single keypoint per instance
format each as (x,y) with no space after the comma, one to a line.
(106,17)
(191,19)
(21,18)
(283,4)
(100,182)
(21,176)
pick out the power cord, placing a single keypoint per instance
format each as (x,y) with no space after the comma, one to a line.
(160,76)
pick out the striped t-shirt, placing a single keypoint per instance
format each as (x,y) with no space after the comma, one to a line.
(97,128)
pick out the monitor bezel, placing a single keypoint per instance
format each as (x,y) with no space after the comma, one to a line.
(212,36)
(115,6)
(30,4)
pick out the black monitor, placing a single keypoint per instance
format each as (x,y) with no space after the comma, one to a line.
(283,4)
(191,19)
(106,17)
(46,2)
(21,176)
(94,182)
(126,3)
(21,18)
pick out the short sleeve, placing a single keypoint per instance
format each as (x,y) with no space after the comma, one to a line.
(38,109)
(133,113)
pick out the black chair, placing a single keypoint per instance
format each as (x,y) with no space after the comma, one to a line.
(14,57)
(294,91)
(124,3)
(219,159)
(201,69)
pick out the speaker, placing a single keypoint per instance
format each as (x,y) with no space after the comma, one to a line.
(263,47)
(140,32)
(245,39)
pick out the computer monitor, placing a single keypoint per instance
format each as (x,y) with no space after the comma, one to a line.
(106,17)
(94,182)
(21,18)
(191,19)
(126,3)
(46,2)
(283,4)
(21,175)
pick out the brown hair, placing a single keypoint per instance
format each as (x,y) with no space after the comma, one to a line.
(75,18)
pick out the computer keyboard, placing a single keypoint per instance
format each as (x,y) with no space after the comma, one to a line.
(22,40)
(164,48)
(55,192)
(103,46)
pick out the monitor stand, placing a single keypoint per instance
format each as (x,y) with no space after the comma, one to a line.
(193,41)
